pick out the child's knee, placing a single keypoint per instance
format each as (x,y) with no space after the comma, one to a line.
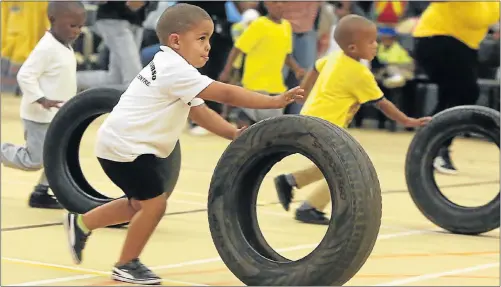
(156,205)
(135,205)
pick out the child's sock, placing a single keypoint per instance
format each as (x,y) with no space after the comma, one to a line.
(305,206)
(81,224)
(290,179)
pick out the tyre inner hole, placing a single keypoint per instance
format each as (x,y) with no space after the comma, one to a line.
(476,183)
(255,185)
(73,164)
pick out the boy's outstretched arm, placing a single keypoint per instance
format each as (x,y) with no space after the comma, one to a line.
(212,121)
(392,112)
(239,97)
(308,82)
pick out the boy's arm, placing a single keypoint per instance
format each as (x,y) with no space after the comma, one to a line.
(225,74)
(212,121)
(392,112)
(28,75)
(240,97)
(296,68)
(308,82)
(367,91)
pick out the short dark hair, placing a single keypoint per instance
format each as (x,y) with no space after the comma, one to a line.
(179,18)
(55,8)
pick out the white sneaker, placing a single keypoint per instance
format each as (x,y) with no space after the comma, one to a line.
(442,166)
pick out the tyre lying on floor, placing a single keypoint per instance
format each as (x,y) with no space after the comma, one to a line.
(419,170)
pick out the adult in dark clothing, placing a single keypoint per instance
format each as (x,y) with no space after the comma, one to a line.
(448,37)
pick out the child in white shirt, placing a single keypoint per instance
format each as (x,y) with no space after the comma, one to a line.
(47,78)
(144,127)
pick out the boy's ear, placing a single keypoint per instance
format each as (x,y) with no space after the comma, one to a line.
(173,41)
(352,48)
(51,19)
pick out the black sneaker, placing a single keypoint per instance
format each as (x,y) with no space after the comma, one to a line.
(40,198)
(443,162)
(136,273)
(76,237)
(284,191)
(312,216)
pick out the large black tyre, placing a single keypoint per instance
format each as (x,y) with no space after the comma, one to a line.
(61,149)
(419,170)
(356,203)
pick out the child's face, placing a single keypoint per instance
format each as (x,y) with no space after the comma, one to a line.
(275,9)
(365,46)
(194,45)
(67,26)
(387,41)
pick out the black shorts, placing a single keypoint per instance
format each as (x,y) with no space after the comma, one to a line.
(140,179)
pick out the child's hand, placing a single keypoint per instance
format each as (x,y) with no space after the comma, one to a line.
(412,122)
(48,104)
(239,132)
(289,97)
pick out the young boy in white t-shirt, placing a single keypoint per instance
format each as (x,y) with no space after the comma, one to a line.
(146,124)
(47,78)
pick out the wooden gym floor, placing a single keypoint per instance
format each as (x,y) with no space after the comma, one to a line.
(410,250)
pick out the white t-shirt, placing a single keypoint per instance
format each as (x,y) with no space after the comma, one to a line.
(153,111)
(50,72)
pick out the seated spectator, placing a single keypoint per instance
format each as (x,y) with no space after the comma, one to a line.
(395,64)
(388,13)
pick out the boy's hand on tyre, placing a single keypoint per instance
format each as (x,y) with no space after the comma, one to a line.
(412,122)
(239,131)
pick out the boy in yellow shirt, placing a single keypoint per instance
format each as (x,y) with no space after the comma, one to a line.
(337,86)
(267,45)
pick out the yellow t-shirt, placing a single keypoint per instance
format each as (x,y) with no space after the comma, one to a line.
(343,84)
(395,54)
(266,44)
(465,21)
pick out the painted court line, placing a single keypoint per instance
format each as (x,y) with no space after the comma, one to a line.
(438,275)
(92,273)
(98,273)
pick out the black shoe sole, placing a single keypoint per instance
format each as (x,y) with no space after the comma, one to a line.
(284,197)
(67,227)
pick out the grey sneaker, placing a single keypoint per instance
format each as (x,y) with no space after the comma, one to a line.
(76,237)
(136,273)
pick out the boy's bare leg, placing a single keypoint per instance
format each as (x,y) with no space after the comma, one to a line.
(141,227)
(78,229)
(115,212)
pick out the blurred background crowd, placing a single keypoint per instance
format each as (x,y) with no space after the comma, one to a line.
(119,39)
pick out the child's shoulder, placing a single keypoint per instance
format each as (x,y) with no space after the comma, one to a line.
(46,43)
